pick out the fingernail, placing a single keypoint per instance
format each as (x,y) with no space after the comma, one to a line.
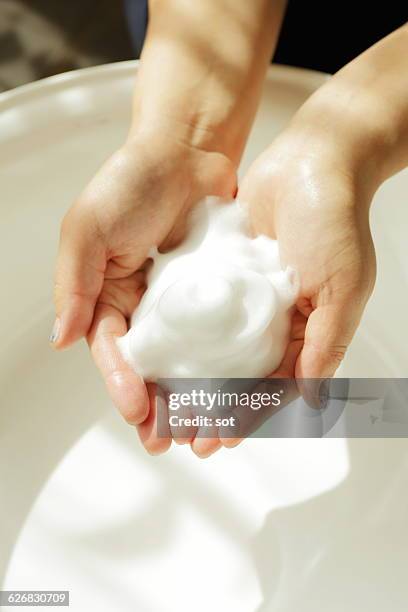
(324,393)
(55,331)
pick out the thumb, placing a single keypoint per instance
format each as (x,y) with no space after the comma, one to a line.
(218,177)
(79,278)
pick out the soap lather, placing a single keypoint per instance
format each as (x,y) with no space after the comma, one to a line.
(217,306)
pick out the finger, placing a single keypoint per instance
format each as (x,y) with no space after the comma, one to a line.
(154,432)
(126,388)
(246,421)
(328,333)
(206,441)
(182,433)
(287,366)
(79,278)
(231,442)
(204,447)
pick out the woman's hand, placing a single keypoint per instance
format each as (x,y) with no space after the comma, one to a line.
(306,192)
(311,192)
(313,187)
(138,199)
(197,91)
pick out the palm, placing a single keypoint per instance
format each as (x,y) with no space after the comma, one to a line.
(311,210)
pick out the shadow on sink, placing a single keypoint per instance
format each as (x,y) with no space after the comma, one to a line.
(345,549)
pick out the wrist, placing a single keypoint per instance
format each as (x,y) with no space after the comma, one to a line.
(353,124)
(183,126)
(202,69)
(171,145)
(193,173)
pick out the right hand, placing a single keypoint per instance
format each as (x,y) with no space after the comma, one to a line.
(139,198)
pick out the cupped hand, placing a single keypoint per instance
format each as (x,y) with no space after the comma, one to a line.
(309,193)
(139,198)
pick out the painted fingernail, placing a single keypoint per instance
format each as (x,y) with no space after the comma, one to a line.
(55,331)
(324,393)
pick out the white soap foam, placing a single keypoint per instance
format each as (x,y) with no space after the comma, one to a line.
(217,306)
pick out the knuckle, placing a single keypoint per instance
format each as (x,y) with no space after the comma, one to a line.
(337,353)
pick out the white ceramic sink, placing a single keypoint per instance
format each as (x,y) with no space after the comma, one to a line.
(277,525)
